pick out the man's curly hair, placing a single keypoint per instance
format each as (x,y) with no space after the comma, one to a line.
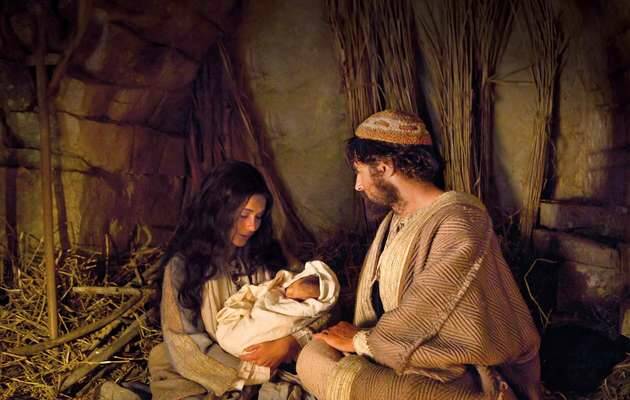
(414,161)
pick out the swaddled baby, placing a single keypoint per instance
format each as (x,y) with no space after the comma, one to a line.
(272,310)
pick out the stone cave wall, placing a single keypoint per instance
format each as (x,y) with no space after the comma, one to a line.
(122,106)
(295,85)
(583,224)
(119,124)
(590,154)
(286,52)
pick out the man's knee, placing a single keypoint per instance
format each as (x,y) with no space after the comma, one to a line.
(317,353)
(315,364)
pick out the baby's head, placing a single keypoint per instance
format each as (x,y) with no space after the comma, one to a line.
(304,288)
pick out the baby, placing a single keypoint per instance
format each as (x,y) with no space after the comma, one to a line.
(303,288)
(272,310)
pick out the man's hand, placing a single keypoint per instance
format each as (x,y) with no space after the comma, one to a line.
(273,353)
(339,336)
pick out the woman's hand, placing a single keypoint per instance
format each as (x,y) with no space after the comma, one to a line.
(273,353)
(339,336)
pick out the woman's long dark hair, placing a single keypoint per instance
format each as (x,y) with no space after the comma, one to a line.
(202,236)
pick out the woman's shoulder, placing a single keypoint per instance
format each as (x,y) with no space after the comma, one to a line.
(176,261)
(174,269)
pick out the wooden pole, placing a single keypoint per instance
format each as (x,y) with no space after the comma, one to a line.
(101,355)
(112,291)
(77,333)
(46,171)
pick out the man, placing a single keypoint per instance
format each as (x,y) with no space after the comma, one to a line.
(438,314)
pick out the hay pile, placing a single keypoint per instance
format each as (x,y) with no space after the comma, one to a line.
(110,320)
(547,47)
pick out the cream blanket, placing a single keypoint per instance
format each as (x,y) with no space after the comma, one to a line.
(260,313)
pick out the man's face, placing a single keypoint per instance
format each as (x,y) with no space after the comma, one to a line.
(370,183)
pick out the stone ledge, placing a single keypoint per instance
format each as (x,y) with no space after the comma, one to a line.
(161,109)
(182,29)
(29,159)
(604,221)
(83,97)
(568,247)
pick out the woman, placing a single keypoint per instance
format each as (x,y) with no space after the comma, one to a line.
(223,241)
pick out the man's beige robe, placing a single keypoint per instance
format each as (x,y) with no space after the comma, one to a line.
(455,324)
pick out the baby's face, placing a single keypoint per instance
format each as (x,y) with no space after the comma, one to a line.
(299,290)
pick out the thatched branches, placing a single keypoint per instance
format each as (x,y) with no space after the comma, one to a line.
(493,26)
(463,42)
(352,23)
(548,45)
(396,37)
(446,38)
(375,42)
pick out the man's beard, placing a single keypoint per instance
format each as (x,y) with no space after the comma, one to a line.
(385,194)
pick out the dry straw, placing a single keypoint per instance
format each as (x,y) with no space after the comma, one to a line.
(396,36)
(375,42)
(493,26)
(547,49)
(355,38)
(463,42)
(446,36)
(31,370)
(375,46)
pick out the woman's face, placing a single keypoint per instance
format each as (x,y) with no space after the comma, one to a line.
(248,220)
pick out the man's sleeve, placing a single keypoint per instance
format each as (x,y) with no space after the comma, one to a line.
(360,343)
(437,287)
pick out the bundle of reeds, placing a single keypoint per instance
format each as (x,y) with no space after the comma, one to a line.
(353,30)
(375,46)
(446,37)
(396,36)
(353,27)
(547,50)
(493,25)
(103,330)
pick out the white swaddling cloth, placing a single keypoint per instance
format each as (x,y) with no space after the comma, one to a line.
(260,313)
